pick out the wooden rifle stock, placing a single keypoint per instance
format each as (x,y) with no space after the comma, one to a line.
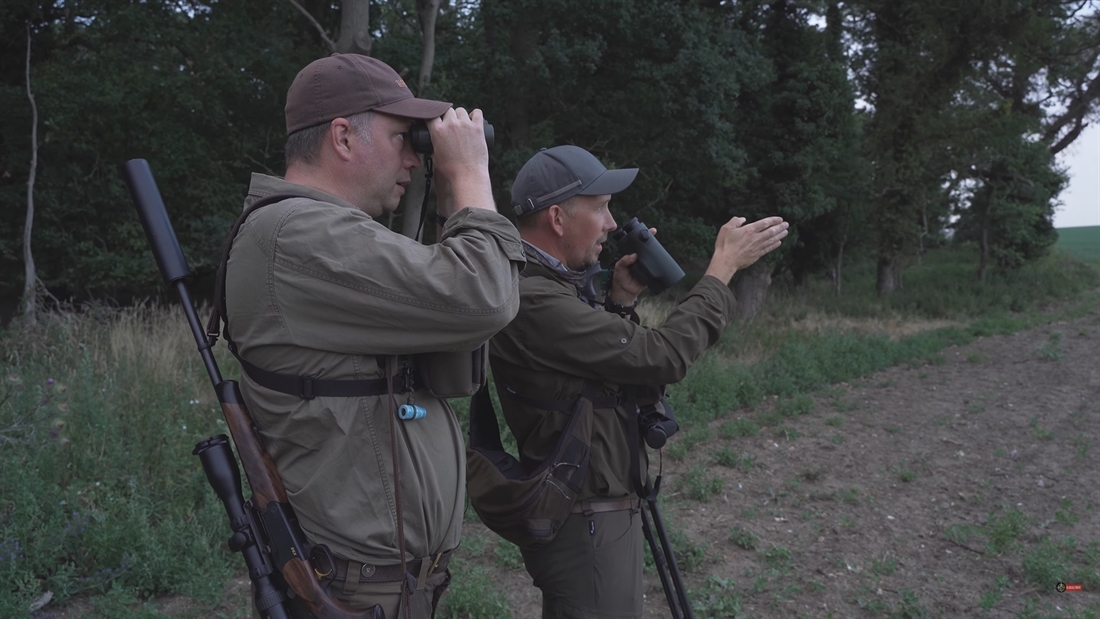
(278,539)
(270,501)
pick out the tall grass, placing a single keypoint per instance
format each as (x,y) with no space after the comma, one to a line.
(99,489)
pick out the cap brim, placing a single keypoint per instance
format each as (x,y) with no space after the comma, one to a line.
(412,107)
(611,181)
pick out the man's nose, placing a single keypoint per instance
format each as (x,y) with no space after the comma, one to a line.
(412,160)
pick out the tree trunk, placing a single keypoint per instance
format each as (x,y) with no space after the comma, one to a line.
(983,257)
(30,282)
(889,276)
(354,27)
(426,11)
(838,268)
(750,287)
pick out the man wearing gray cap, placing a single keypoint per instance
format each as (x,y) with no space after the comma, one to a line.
(338,322)
(569,335)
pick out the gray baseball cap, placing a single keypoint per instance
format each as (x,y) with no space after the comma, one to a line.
(556,174)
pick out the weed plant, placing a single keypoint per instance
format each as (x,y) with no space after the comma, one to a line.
(743,538)
(698,486)
(716,599)
(1052,562)
(508,555)
(473,595)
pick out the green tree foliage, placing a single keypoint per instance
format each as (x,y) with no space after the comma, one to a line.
(649,85)
(728,108)
(180,84)
(799,132)
(917,67)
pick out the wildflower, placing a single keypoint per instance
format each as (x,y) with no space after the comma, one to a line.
(63,407)
(49,381)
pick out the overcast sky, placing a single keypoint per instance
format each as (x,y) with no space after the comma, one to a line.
(1081,200)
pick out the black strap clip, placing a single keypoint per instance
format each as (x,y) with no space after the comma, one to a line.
(407,382)
(307,389)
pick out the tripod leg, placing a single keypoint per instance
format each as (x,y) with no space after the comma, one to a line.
(673,568)
(661,565)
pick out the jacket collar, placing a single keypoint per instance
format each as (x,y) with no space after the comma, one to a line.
(586,283)
(263,185)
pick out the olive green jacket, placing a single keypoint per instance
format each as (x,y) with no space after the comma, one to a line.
(316,287)
(558,341)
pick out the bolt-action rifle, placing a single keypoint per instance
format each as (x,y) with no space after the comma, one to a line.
(265,529)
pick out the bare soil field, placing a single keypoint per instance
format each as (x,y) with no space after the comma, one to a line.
(947,490)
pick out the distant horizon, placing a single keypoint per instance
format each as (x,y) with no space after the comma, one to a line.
(1080,200)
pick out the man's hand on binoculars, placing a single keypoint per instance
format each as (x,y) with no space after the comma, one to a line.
(625,288)
(461,161)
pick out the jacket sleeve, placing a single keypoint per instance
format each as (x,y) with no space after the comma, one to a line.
(563,334)
(345,283)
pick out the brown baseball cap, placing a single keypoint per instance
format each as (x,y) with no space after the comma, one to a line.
(347,84)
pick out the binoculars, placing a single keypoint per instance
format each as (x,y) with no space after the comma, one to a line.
(657,424)
(655,267)
(422,139)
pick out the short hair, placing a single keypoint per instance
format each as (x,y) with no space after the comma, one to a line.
(304,145)
(529,222)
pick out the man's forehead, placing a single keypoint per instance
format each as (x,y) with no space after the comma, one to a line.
(396,121)
(598,201)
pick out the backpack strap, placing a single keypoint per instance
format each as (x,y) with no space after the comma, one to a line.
(304,387)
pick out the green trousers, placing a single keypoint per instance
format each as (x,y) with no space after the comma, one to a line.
(592,568)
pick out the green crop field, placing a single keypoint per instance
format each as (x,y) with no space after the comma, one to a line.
(1083,242)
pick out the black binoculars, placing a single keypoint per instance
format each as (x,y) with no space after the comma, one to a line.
(657,426)
(422,139)
(655,267)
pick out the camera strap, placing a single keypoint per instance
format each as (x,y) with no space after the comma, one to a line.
(429,171)
(642,485)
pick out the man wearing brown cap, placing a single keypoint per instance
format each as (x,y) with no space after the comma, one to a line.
(347,331)
(567,336)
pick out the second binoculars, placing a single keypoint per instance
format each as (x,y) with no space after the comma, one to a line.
(655,267)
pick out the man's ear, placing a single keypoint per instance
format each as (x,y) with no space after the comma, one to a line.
(555,215)
(339,136)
